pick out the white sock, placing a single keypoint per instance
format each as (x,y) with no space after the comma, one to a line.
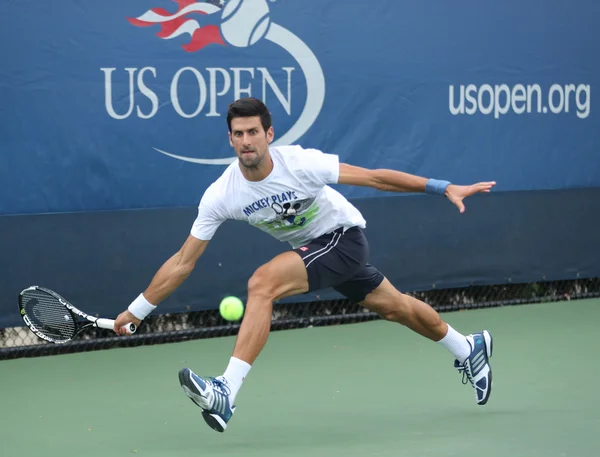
(236,372)
(457,344)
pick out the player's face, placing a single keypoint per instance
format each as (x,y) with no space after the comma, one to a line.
(250,141)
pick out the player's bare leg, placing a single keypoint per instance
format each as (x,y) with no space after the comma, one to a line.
(283,276)
(472,352)
(395,306)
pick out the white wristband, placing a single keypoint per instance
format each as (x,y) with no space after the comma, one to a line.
(140,307)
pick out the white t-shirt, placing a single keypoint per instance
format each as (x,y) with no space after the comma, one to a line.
(294,203)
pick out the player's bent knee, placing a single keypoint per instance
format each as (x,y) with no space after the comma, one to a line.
(259,284)
(268,283)
(283,276)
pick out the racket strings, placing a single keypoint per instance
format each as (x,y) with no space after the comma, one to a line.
(49,316)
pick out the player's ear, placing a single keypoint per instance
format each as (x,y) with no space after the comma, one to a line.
(270,134)
(229,136)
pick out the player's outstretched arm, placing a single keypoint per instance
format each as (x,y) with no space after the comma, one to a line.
(397,181)
(168,278)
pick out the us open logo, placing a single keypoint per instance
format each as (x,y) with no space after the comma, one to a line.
(228,24)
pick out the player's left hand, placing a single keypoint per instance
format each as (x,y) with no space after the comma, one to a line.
(123,319)
(456,194)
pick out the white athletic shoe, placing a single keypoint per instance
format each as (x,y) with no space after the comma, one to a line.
(211,394)
(476,369)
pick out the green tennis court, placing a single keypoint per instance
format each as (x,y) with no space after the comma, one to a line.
(369,389)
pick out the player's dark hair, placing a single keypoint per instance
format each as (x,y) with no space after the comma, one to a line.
(249,107)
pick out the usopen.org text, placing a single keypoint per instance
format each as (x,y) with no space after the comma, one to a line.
(501,99)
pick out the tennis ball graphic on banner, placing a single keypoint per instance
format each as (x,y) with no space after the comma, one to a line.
(245,22)
(247,28)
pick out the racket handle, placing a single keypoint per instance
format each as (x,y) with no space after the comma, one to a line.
(109,324)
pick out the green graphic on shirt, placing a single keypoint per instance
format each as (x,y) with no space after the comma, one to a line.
(287,219)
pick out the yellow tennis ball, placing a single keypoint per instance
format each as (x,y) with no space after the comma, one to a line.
(231,308)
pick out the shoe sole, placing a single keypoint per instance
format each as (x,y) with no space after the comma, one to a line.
(489,348)
(213,421)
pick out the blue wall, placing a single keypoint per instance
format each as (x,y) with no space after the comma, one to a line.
(93,92)
(102,260)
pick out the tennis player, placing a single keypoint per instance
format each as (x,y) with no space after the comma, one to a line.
(285,192)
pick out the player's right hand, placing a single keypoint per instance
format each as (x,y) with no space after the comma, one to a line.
(123,319)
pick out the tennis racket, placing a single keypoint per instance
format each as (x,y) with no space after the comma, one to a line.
(54,319)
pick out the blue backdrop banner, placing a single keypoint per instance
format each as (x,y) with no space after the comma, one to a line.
(121,105)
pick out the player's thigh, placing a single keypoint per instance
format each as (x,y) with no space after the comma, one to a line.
(371,289)
(282,276)
(362,285)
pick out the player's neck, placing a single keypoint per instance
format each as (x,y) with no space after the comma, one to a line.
(259,173)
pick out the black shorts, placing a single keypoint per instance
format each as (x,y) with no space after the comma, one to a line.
(339,260)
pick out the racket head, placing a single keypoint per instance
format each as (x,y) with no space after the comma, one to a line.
(46,314)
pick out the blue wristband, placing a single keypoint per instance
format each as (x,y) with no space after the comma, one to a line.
(436,187)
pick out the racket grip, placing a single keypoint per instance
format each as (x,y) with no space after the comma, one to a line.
(109,324)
